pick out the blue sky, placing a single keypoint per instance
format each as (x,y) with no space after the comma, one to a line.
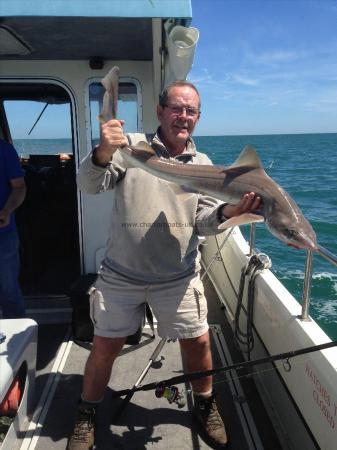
(266,66)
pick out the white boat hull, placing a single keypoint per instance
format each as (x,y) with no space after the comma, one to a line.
(300,399)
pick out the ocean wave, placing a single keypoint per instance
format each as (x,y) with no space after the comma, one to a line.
(322,294)
(325,275)
(299,274)
(290,274)
(324,311)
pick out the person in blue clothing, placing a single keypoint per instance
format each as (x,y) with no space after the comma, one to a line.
(12,194)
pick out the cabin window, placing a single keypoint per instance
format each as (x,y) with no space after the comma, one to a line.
(128,107)
(39,127)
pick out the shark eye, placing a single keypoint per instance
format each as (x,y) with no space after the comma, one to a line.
(292,233)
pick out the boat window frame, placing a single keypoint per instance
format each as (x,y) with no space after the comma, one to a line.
(139,91)
(72,97)
(75,130)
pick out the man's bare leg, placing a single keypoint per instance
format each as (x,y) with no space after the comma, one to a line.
(98,367)
(197,355)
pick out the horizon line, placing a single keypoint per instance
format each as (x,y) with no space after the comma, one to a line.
(202,135)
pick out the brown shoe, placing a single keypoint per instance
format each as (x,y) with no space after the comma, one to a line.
(207,415)
(82,437)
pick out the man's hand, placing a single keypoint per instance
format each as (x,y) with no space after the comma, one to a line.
(16,197)
(249,202)
(4,218)
(112,137)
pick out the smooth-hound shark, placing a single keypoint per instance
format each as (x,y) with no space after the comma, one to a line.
(279,211)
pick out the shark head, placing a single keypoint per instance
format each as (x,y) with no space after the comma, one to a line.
(290,226)
(279,211)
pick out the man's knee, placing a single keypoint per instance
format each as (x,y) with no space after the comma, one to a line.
(106,349)
(198,344)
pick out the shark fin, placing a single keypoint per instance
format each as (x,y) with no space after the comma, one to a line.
(143,147)
(241,220)
(247,158)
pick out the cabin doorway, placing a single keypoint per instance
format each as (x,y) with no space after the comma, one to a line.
(37,118)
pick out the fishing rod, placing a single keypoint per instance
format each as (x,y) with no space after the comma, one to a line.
(166,389)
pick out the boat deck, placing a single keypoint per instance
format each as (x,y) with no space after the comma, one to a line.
(146,422)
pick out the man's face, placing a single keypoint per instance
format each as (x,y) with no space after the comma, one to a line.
(179,117)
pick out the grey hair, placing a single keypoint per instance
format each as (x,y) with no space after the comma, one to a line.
(164,96)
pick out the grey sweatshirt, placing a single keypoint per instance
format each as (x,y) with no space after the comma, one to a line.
(154,233)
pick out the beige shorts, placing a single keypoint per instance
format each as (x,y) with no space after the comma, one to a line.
(117,306)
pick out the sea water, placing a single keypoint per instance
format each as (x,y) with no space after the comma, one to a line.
(305,165)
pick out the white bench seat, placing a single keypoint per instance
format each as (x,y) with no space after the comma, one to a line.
(18,349)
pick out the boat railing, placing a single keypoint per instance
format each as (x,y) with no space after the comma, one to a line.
(326,254)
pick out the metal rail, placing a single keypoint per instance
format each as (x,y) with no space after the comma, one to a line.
(308,277)
(252,238)
(307,286)
(307,271)
(327,255)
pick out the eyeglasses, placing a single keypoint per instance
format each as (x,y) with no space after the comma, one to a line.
(178,110)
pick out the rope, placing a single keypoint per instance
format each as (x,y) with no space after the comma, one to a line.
(256,264)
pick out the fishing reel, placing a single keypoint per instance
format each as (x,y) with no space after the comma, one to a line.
(171,393)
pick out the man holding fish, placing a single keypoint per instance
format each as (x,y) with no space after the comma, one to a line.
(152,256)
